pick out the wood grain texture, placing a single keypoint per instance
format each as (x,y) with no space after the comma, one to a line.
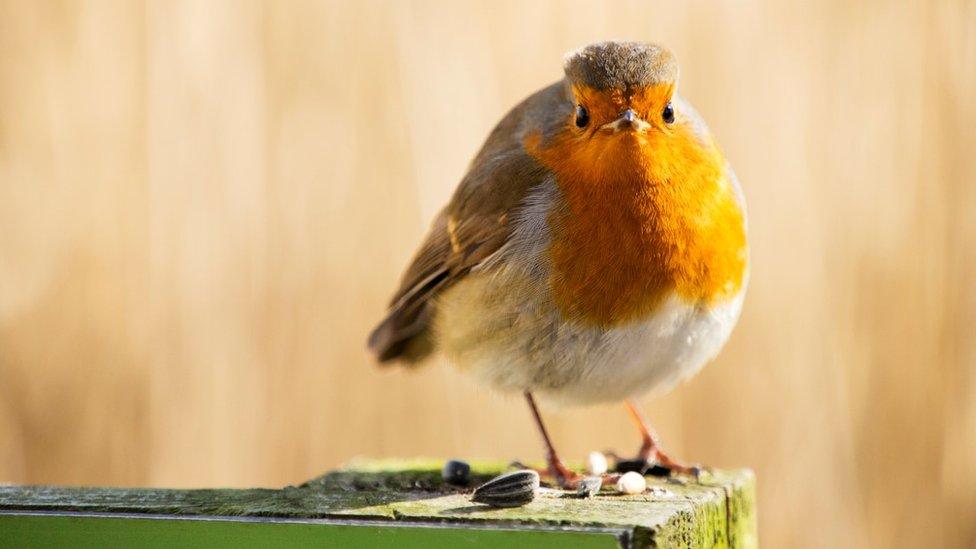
(204,207)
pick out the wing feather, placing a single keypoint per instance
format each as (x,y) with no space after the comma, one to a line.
(473,226)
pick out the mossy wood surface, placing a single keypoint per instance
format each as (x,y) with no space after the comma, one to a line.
(382,504)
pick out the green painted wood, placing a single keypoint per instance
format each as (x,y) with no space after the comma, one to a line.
(372,496)
(83,531)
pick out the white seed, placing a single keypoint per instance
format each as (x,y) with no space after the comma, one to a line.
(596,463)
(631,483)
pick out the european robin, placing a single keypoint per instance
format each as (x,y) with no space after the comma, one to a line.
(595,249)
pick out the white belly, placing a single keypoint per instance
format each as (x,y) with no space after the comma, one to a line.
(507,333)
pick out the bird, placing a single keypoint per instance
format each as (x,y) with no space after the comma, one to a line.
(595,250)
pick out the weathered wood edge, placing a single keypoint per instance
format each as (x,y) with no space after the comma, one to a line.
(717,511)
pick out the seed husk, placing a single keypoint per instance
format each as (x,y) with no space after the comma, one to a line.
(509,490)
(589,487)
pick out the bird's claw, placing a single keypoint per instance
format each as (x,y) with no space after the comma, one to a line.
(660,466)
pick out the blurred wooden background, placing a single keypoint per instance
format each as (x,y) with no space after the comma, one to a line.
(204,206)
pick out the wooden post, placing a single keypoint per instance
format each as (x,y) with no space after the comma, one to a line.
(381,504)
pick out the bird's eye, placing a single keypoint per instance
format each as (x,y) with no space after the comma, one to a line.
(582,117)
(668,114)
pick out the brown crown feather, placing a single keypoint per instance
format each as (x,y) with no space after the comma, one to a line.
(621,65)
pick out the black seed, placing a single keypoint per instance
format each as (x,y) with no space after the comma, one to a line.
(456,472)
(635,465)
(509,490)
(658,471)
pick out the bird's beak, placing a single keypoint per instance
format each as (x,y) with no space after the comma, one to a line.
(628,121)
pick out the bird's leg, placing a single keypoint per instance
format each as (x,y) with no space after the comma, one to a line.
(563,476)
(650,451)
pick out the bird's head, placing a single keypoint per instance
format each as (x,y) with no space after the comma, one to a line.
(621,90)
(624,121)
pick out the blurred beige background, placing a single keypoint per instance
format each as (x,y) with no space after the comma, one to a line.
(204,206)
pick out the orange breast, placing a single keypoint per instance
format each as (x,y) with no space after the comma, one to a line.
(642,217)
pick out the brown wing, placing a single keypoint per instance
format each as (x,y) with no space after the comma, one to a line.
(474,225)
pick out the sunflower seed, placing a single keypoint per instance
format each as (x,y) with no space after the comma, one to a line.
(508,490)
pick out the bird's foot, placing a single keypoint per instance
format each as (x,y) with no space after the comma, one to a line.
(656,463)
(555,472)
